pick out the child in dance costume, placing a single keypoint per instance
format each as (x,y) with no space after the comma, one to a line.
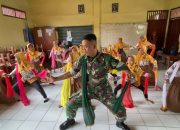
(55,55)
(67,87)
(144,60)
(24,73)
(34,57)
(171,100)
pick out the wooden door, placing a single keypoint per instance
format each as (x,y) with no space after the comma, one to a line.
(157,22)
(44,37)
(49,36)
(173,35)
(159,28)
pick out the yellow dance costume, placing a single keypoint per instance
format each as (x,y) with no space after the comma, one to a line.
(66,87)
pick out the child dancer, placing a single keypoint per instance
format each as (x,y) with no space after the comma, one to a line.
(24,73)
(55,55)
(136,73)
(67,87)
(144,60)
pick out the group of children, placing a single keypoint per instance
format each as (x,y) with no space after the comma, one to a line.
(29,71)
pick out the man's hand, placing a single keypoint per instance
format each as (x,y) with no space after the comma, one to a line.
(62,77)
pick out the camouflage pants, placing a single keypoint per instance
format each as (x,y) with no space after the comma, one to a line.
(103,94)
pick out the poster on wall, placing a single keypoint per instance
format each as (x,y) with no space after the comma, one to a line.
(39,33)
(81,8)
(49,31)
(69,37)
(115,7)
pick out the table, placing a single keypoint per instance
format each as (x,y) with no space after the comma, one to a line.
(168,59)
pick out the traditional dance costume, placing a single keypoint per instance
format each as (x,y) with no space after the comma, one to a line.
(24,73)
(55,56)
(68,86)
(145,61)
(37,59)
(171,100)
(146,45)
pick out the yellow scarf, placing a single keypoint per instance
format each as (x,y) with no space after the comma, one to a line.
(23,64)
(56,49)
(33,54)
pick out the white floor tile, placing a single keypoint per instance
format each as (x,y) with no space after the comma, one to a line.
(132,110)
(172,128)
(151,120)
(146,110)
(56,127)
(156,128)
(169,120)
(52,116)
(178,117)
(22,115)
(44,106)
(112,119)
(3,122)
(101,117)
(36,115)
(8,114)
(100,127)
(46,126)
(17,106)
(29,125)
(11,125)
(134,119)
(79,118)
(63,116)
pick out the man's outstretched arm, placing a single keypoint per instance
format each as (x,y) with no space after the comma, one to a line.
(64,76)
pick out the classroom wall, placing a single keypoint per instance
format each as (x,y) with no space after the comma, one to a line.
(65,12)
(173,3)
(60,13)
(11,29)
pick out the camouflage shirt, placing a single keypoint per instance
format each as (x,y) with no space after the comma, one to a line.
(97,68)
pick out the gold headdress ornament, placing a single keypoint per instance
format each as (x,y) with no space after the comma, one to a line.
(22,62)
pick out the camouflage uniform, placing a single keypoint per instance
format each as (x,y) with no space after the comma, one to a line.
(97,85)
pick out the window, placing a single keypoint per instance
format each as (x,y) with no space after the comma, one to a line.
(11,12)
(157,15)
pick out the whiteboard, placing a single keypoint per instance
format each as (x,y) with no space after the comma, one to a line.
(130,32)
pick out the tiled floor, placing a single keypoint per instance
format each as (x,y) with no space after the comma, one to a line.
(40,116)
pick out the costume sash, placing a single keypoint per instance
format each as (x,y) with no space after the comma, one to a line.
(22,91)
(10,92)
(164,94)
(174,73)
(53,62)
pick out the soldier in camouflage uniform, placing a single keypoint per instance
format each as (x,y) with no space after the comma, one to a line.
(98,87)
